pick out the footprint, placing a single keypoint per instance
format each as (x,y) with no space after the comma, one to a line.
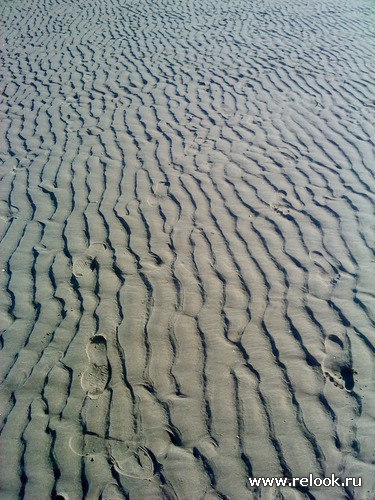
(191,148)
(227,111)
(136,463)
(88,445)
(128,459)
(95,379)
(8,213)
(328,273)
(82,266)
(96,249)
(334,380)
(336,365)
(284,212)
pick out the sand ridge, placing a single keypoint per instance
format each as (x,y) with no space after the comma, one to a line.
(187,269)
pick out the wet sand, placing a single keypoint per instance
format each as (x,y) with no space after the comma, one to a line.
(187,233)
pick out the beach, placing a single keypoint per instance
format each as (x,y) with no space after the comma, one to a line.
(187,248)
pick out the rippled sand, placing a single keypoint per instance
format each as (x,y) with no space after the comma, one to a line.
(187,228)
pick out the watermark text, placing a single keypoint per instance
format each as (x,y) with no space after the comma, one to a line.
(306,482)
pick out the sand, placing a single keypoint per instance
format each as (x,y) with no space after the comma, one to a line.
(187,273)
